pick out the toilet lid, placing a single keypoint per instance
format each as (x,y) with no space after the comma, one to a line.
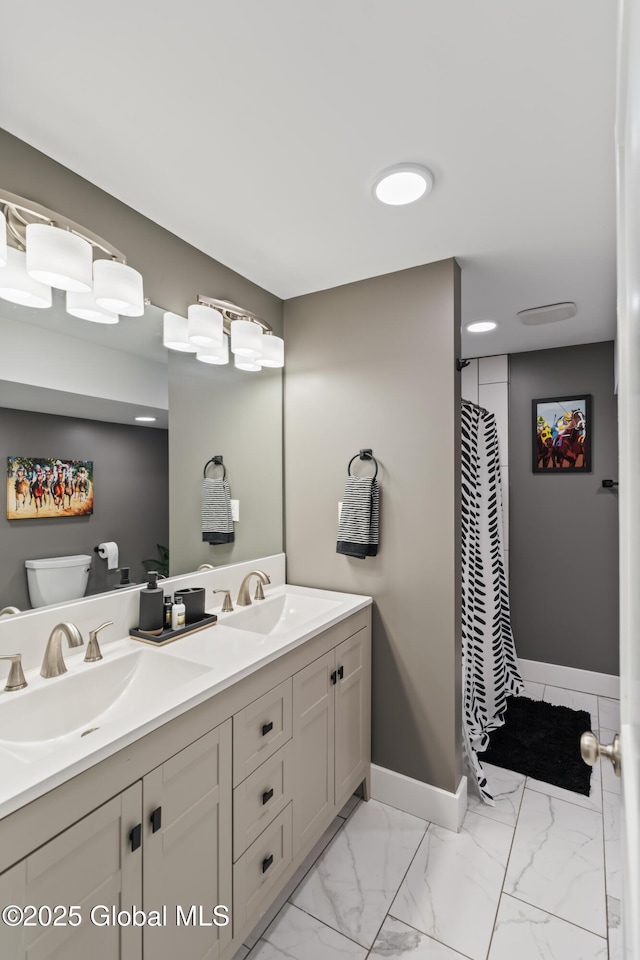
(80,560)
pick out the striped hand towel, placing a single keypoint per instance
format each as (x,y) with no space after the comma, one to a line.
(217,523)
(359,527)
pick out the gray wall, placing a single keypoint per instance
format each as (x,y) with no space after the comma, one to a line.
(174,274)
(372,364)
(131,497)
(564,529)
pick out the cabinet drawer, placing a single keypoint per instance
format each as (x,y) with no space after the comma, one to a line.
(260,730)
(260,867)
(260,798)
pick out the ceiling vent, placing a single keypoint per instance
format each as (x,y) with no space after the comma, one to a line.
(552,313)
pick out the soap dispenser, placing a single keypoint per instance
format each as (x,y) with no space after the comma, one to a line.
(152,606)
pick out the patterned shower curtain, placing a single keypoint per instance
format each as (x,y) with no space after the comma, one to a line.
(490,671)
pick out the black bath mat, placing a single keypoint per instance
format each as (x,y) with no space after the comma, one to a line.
(542,741)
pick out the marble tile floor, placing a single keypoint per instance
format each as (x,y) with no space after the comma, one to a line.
(535,877)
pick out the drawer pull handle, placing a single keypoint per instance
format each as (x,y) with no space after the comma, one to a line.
(340,673)
(266,863)
(266,796)
(156,819)
(334,677)
(266,727)
(136,837)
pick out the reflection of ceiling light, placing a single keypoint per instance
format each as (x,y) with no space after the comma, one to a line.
(272,351)
(146,419)
(480,326)
(18,287)
(58,257)
(246,340)
(205,325)
(215,355)
(402,183)
(175,334)
(118,287)
(84,306)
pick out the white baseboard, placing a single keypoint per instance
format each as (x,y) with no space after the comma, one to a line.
(420,799)
(586,681)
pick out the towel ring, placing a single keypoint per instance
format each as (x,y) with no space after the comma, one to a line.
(363,455)
(217,462)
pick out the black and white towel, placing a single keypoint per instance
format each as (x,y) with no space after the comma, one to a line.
(217,522)
(359,527)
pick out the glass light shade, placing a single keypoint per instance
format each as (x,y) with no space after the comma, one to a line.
(84,306)
(58,257)
(3,240)
(402,183)
(246,339)
(246,363)
(211,354)
(175,334)
(118,288)
(272,351)
(18,287)
(205,325)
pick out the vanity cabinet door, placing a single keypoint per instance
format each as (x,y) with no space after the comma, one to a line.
(353,713)
(313,750)
(90,865)
(187,849)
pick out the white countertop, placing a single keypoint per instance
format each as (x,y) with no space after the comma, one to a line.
(205,663)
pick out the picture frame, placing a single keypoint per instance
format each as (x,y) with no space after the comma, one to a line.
(45,487)
(562,434)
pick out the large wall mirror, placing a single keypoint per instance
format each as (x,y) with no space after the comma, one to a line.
(71,390)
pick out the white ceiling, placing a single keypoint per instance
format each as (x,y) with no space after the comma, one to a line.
(254,129)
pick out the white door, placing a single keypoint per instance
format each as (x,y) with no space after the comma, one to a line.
(628,151)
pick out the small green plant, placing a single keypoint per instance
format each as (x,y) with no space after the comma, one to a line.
(161,564)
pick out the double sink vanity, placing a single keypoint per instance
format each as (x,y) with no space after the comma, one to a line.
(197,774)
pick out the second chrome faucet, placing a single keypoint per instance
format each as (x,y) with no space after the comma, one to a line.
(244,596)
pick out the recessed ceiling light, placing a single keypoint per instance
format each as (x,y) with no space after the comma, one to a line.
(146,419)
(403,183)
(480,326)
(549,313)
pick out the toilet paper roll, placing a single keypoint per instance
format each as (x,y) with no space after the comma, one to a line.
(109,552)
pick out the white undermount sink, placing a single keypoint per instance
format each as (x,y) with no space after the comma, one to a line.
(79,702)
(280,614)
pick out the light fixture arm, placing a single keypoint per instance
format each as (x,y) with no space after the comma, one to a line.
(231,311)
(20,212)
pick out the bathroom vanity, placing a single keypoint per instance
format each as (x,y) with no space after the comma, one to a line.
(195,796)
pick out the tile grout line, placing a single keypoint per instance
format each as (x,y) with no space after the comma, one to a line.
(555,916)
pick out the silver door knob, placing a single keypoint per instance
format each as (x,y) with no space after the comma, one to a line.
(592,750)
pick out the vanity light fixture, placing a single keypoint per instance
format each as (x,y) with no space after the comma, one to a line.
(175,333)
(18,287)
(84,306)
(402,183)
(480,326)
(246,339)
(60,253)
(215,355)
(205,325)
(246,363)
(272,351)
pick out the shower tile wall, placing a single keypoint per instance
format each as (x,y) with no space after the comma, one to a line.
(486,381)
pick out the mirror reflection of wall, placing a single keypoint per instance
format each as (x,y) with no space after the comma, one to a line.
(108,374)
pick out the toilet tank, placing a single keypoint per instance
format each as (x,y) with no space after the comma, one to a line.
(57,579)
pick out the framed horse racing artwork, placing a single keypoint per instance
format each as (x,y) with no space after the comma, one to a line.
(42,487)
(562,431)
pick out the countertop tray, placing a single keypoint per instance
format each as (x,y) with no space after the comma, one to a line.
(168,636)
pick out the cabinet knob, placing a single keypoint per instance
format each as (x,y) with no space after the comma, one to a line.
(266,727)
(156,820)
(266,796)
(135,837)
(266,863)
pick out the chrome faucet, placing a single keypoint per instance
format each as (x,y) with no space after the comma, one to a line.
(244,597)
(15,680)
(93,647)
(227,606)
(53,664)
(8,610)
